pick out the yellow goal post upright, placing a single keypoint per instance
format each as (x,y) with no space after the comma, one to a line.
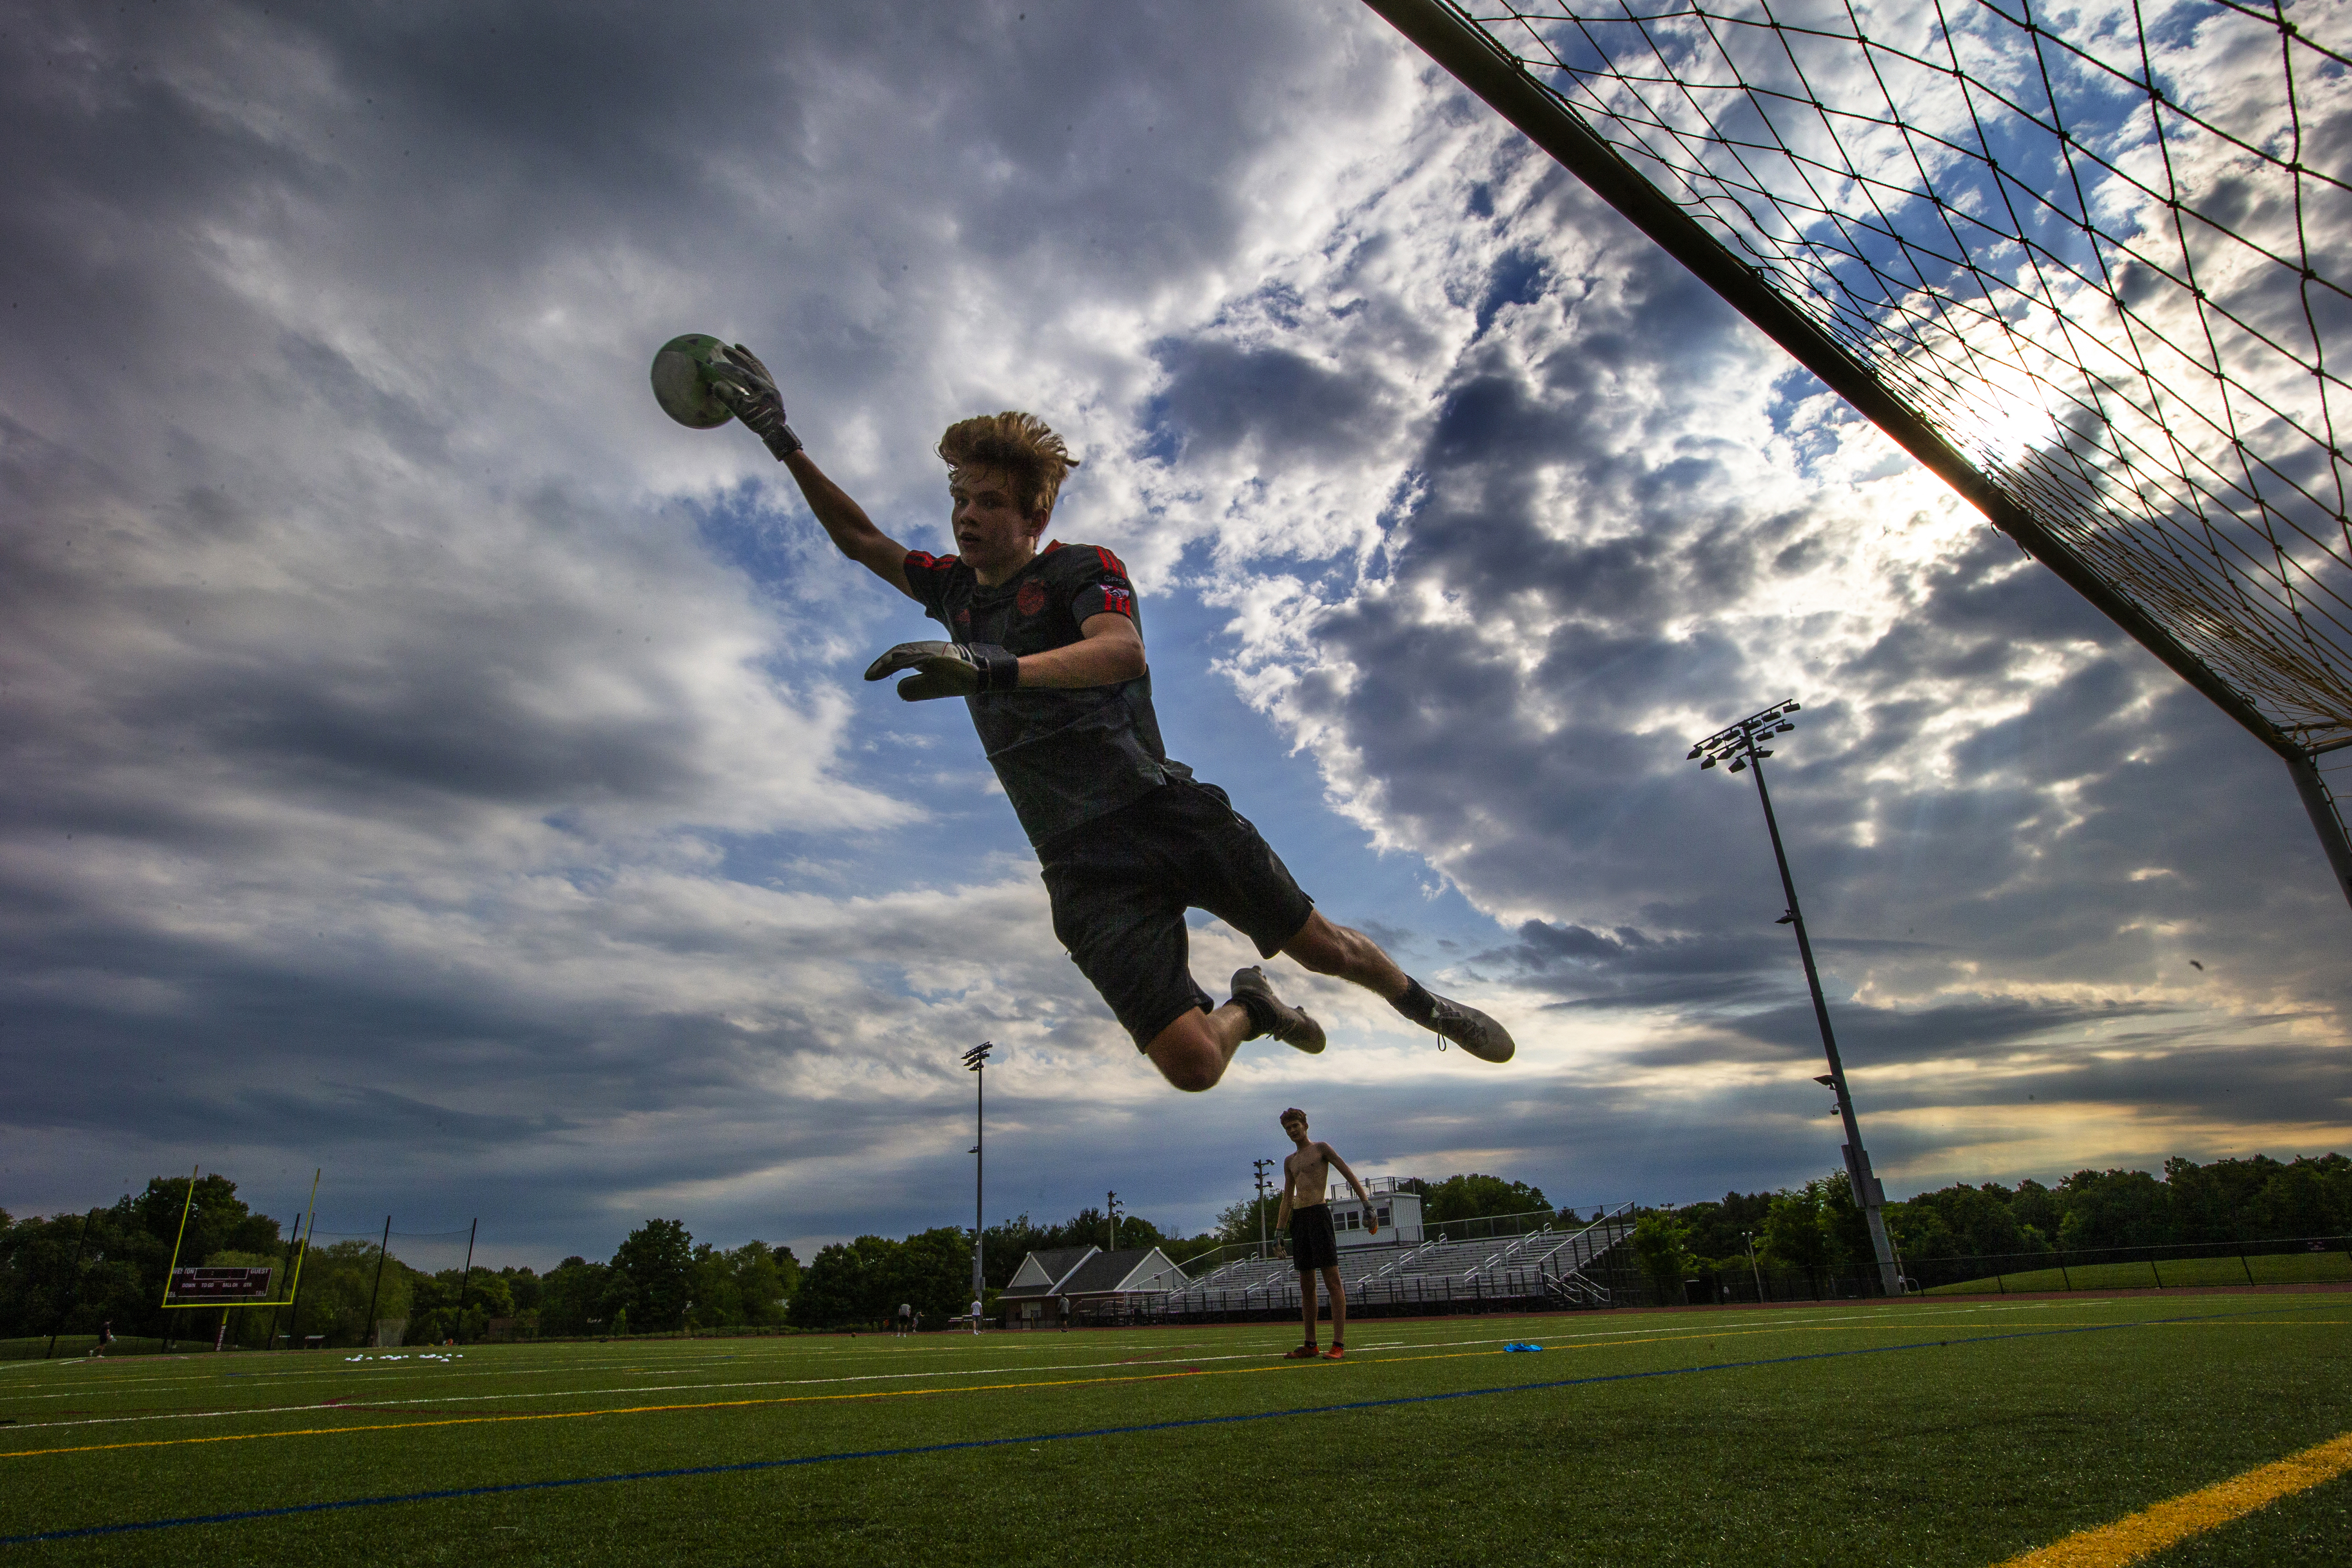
(231,1287)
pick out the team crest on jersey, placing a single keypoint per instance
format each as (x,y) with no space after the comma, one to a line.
(1119,602)
(1032,597)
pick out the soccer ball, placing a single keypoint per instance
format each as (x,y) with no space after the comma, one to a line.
(681,386)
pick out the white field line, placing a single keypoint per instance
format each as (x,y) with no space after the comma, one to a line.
(345,1367)
(1650,1336)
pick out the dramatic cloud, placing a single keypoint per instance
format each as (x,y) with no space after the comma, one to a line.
(431,764)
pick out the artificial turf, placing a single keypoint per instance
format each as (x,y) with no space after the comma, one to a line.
(2172,1273)
(1917,1432)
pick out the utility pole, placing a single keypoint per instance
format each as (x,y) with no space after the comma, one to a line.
(1737,744)
(1262,1166)
(367,1331)
(975,1061)
(466,1279)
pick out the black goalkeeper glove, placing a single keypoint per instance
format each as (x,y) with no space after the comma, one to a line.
(948,669)
(743,383)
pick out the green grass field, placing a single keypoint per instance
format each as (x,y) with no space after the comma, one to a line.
(2172,1273)
(1914,1433)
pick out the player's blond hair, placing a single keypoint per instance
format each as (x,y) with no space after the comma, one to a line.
(1021,444)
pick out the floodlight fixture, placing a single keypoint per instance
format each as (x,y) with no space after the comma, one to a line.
(975,1061)
(1738,742)
(1262,1167)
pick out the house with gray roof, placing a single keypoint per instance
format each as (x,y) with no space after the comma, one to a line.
(1093,1284)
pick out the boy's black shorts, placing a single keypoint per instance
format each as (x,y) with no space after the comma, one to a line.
(1121,885)
(1313,1243)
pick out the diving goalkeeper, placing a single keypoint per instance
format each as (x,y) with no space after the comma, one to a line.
(1045,648)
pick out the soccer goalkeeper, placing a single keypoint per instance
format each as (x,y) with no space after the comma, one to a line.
(1046,649)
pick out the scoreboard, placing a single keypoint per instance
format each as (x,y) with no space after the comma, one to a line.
(192,1284)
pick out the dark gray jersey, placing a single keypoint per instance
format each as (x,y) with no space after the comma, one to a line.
(1064,757)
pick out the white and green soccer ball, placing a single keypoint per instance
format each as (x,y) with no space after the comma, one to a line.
(682,381)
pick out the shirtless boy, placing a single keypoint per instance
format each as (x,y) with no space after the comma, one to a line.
(1047,653)
(1314,1246)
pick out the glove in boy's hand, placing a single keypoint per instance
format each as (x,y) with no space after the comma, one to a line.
(948,669)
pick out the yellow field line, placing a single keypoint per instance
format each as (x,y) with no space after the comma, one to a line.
(656,1409)
(1680,1336)
(739,1403)
(2154,1528)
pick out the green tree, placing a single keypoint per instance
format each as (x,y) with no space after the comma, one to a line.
(571,1298)
(1976,1222)
(651,1277)
(1918,1231)
(1659,1246)
(845,1285)
(1477,1196)
(2306,1198)
(2037,1209)
(1719,1231)
(338,1283)
(2216,1202)
(764,1279)
(1794,1237)
(2114,1208)
(931,1272)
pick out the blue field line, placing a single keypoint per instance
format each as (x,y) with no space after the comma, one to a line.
(751,1465)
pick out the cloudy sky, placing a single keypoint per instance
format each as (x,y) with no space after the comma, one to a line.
(428,763)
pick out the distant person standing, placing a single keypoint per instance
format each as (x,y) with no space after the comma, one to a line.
(1314,1245)
(975,1315)
(906,1318)
(1066,1314)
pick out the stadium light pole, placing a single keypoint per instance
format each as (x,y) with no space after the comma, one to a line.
(1111,1202)
(1737,744)
(1263,1166)
(975,1061)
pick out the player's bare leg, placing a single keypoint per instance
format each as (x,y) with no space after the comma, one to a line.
(1337,1290)
(1193,1052)
(1307,1350)
(1329,949)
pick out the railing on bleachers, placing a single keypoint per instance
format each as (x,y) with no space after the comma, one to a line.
(1500,1259)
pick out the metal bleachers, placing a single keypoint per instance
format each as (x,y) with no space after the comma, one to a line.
(1548,1262)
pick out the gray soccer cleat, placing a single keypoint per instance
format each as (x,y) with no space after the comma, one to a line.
(1270,1014)
(1464,1027)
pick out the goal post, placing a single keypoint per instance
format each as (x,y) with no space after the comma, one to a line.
(2210,526)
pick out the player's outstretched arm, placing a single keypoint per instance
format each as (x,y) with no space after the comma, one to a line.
(1109,650)
(750,392)
(845,524)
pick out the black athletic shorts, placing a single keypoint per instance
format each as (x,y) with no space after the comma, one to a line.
(1313,1243)
(1121,885)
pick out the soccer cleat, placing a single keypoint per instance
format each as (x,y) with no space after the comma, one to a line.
(1464,1027)
(1270,1014)
(1337,1352)
(1302,1352)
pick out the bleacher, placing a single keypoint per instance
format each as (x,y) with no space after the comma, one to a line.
(1546,1261)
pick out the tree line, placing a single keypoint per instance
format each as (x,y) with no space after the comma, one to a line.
(75,1272)
(1818,1231)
